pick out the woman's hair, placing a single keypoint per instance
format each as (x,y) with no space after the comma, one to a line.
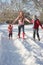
(21,15)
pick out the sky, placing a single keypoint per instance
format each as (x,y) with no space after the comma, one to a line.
(6,1)
(28,6)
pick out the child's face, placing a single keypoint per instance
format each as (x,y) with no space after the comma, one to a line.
(33,17)
(9,24)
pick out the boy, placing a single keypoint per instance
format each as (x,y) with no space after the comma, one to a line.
(36,27)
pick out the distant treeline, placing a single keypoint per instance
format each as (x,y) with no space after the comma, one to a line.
(11,21)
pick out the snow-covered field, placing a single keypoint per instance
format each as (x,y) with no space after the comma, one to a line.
(18,51)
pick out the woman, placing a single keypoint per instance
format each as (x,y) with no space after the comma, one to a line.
(21,19)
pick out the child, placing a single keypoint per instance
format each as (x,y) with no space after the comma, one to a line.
(10,28)
(36,27)
(21,19)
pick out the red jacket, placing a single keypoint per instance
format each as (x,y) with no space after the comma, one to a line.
(10,27)
(37,24)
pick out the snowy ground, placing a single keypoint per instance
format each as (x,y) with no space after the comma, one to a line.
(18,51)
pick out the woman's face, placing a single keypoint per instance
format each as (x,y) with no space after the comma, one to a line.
(21,13)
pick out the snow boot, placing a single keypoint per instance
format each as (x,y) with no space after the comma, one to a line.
(23,34)
(18,35)
(39,39)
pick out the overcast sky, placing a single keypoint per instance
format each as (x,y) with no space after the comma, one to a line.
(27,6)
(9,1)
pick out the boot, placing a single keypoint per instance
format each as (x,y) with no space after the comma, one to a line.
(23,35)
(18,35)
(39,39)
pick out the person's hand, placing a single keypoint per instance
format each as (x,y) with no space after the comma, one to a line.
(32,21)
(42,27)
(13,22)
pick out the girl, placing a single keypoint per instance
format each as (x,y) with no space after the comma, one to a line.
(10,28)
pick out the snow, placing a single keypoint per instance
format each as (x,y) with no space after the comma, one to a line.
(18,51)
